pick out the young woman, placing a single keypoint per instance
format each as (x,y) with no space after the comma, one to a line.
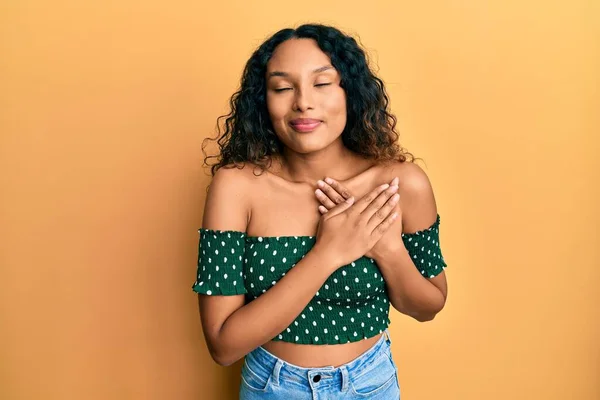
(315,222)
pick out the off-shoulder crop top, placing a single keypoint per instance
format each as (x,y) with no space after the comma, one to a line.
(351,305)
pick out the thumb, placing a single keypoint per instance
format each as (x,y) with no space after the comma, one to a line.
(340,208)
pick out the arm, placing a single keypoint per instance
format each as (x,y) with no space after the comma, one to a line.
(410,292)
(232,329)
(413,291)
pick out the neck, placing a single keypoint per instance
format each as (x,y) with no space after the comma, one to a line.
(335,161)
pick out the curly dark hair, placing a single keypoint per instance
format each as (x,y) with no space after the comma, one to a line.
(248,135)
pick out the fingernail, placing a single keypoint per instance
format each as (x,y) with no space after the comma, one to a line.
(318,191)
(350,200)
(385,186)
(395,197)
(394,215)
(329,180)
(393,188)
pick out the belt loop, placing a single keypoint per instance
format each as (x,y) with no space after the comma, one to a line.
(276,371)
(389,338)
(345,378)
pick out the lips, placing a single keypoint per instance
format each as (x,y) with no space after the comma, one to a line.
(305,124)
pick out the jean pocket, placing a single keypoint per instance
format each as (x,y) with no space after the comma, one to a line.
(377,377)
(253,380)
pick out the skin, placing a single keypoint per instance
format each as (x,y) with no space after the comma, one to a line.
(283,201)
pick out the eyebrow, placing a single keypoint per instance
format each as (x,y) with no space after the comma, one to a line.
(285,74)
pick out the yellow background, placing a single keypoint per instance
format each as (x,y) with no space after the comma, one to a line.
(103,107)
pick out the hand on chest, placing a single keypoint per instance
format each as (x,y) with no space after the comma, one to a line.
(293,210)
(268,259)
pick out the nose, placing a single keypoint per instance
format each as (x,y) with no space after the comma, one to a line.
(303,100)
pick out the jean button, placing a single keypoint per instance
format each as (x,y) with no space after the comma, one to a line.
(316,378)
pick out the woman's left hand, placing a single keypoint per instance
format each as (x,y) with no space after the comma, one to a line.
(331,193)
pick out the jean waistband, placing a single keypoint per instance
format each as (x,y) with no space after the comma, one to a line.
(303,374)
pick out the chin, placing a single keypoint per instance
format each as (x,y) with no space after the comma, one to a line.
(310,146)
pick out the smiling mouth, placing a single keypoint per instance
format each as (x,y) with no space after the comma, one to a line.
(305,126)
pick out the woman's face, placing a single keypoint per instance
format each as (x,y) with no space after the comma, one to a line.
(306,103)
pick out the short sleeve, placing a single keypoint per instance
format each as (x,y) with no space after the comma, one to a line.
(425,250)
(220,263)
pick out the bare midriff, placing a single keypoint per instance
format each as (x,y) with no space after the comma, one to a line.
(283,208)
(317,356)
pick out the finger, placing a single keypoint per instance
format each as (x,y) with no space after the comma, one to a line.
(363,203)
(377,205)
(340,208)
(382,228)
(322,210)
(395,182)
(324,199)
(331,192)
(338,187)
(387,209)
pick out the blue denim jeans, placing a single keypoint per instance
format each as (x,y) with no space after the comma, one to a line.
(372,375)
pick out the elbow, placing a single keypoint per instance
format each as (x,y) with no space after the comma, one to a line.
(430,314)
(219,353)
(423,314)
(223,359)
(220,359)
(424,317)
(223,362)
(224,355)
(222,350)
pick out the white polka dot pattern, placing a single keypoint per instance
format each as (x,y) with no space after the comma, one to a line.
(424,248)
(220,265)
(338,312)
(351,305)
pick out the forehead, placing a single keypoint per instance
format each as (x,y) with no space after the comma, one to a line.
(297,55)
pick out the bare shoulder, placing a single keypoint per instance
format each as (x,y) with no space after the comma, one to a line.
(413,179)
(417,199)
(233,175)
(229,199)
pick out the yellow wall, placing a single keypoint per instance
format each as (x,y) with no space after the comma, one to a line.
(103,106)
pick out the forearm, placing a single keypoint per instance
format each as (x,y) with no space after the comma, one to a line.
(262,319)
(409,291)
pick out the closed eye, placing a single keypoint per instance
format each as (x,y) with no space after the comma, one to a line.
(284,89)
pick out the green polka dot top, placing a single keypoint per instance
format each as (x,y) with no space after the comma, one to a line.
(351,305)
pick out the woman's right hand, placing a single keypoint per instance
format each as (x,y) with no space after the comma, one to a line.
(351,229)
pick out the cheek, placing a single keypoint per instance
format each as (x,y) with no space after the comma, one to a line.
(277,109)
(336,109)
